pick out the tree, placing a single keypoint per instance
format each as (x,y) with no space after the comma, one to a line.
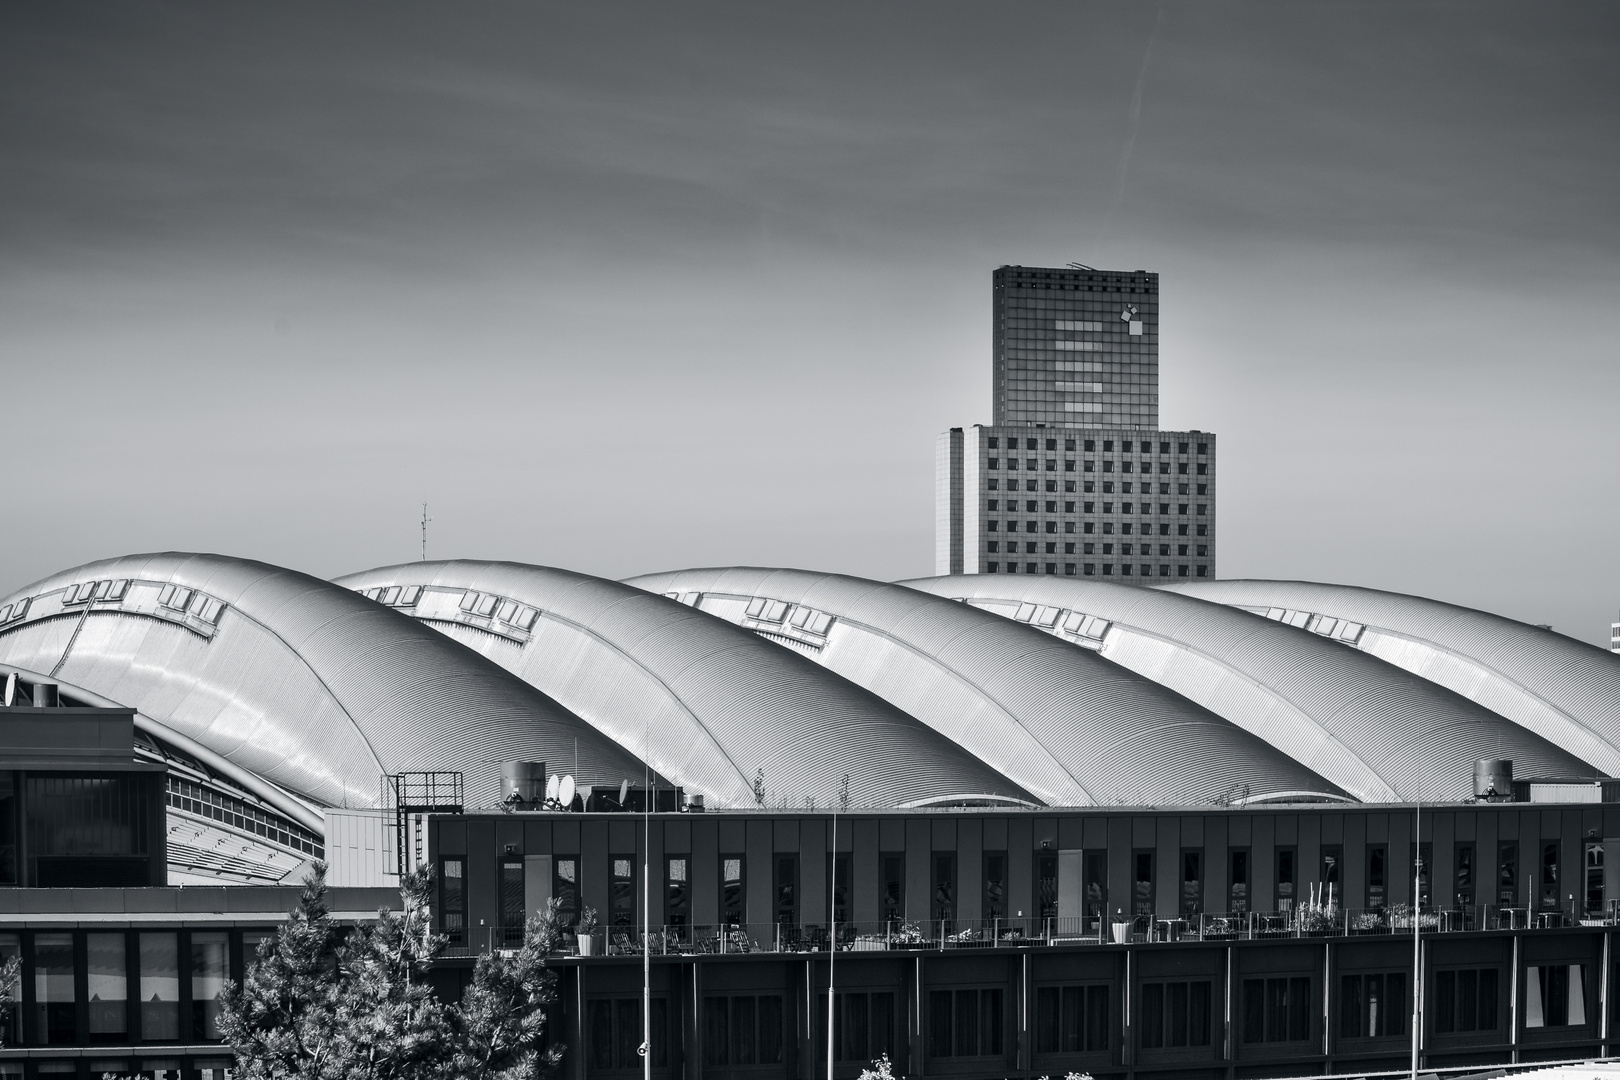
(759,786)
(10,995)
(326,1004)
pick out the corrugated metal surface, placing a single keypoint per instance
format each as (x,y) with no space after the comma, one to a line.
(1563,689)
(1374,729)
(1070,726)
(316,689)
(712,702)
(360,849)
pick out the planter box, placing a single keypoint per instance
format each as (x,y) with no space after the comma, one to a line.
(587,944)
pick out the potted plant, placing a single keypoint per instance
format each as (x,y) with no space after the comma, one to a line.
(584,930)
(1219,926)
(1120,927)
(909,936)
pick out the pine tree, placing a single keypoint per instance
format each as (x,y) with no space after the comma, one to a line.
(329,1005)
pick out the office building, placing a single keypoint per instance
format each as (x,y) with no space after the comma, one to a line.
(1073,476)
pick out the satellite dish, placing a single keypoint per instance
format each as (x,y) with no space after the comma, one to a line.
(565,792)
(624,792)
(11,689)
(551,788)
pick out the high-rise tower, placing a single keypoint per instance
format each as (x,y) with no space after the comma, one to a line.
(1074,477)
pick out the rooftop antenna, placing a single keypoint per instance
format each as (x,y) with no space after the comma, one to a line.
(1081,266)
(425,520)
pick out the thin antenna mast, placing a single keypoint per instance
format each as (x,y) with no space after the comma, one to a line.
(425,520)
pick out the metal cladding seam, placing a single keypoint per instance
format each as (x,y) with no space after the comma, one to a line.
(1375,729)
(717,702)
(1564,690)
(1068,725)
(314,688)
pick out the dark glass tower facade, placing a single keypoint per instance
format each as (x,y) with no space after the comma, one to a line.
(1076,348)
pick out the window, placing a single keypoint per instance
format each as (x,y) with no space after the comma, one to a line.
(1203,470)
(1372,1006)
(1507,875)
(1377,875)
(1237,900)
(1031,463)
(838,872)
(1175,1014)
(677,890)
(1071,1019)
(1046,886)
(943,903)
(1068,486)
(995,484)
(1465,1000)
(731,890)
(1051,526)
(613,1033)
(1051,444)
(1051,464)
(1068,567)
(1555,996)
(1332,883)
(453,899)
(1181,468)
(992,567)
(10,1031)
(511,899)
(1463,875)
(1285,879)
(1593,863)
(787,890)
(1181,448)
(1192,881)
(1091,444)
(1549,877)
(160,986)
(1142,885)
(108,988)
(991,526)
(965,1023)
(1276,1010)
(993,443)
(742,1030)
(55,1008)
(1108,445)
(865,1026)
(1068,464)
(994,900)
(1203,489)
(894,887)
(993,546)
(1203,448)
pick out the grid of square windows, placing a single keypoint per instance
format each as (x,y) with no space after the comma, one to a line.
(1123,516)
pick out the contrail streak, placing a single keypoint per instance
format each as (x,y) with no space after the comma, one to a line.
(1132,128)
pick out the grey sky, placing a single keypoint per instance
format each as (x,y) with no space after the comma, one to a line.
(624,288)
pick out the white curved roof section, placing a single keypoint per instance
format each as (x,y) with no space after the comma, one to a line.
(711,703)
(1564,690)
(1071,727)
(1377,731)
(305,814)
(303,683)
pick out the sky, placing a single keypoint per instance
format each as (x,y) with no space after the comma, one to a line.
(634,287)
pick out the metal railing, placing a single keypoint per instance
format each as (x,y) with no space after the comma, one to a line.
(943,934)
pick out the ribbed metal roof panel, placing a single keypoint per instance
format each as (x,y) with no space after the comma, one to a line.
(1374,729)
(316,689)
(1068,725)
(711,703)
(1563,689)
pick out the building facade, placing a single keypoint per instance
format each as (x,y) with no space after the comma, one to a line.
(1221,943)
(1087,502)
(1075,350)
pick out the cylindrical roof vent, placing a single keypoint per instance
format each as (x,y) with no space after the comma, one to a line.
(46,695)
(523,783)
(1493,779)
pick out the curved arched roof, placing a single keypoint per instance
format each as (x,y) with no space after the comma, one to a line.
(714,703)
(1379,732)
(1560,688)
(1070,726)
(314,688)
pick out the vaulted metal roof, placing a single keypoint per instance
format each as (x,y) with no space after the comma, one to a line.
(1069,725)
(1560,688)
(1375,730)
(314,688)
(710,703)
